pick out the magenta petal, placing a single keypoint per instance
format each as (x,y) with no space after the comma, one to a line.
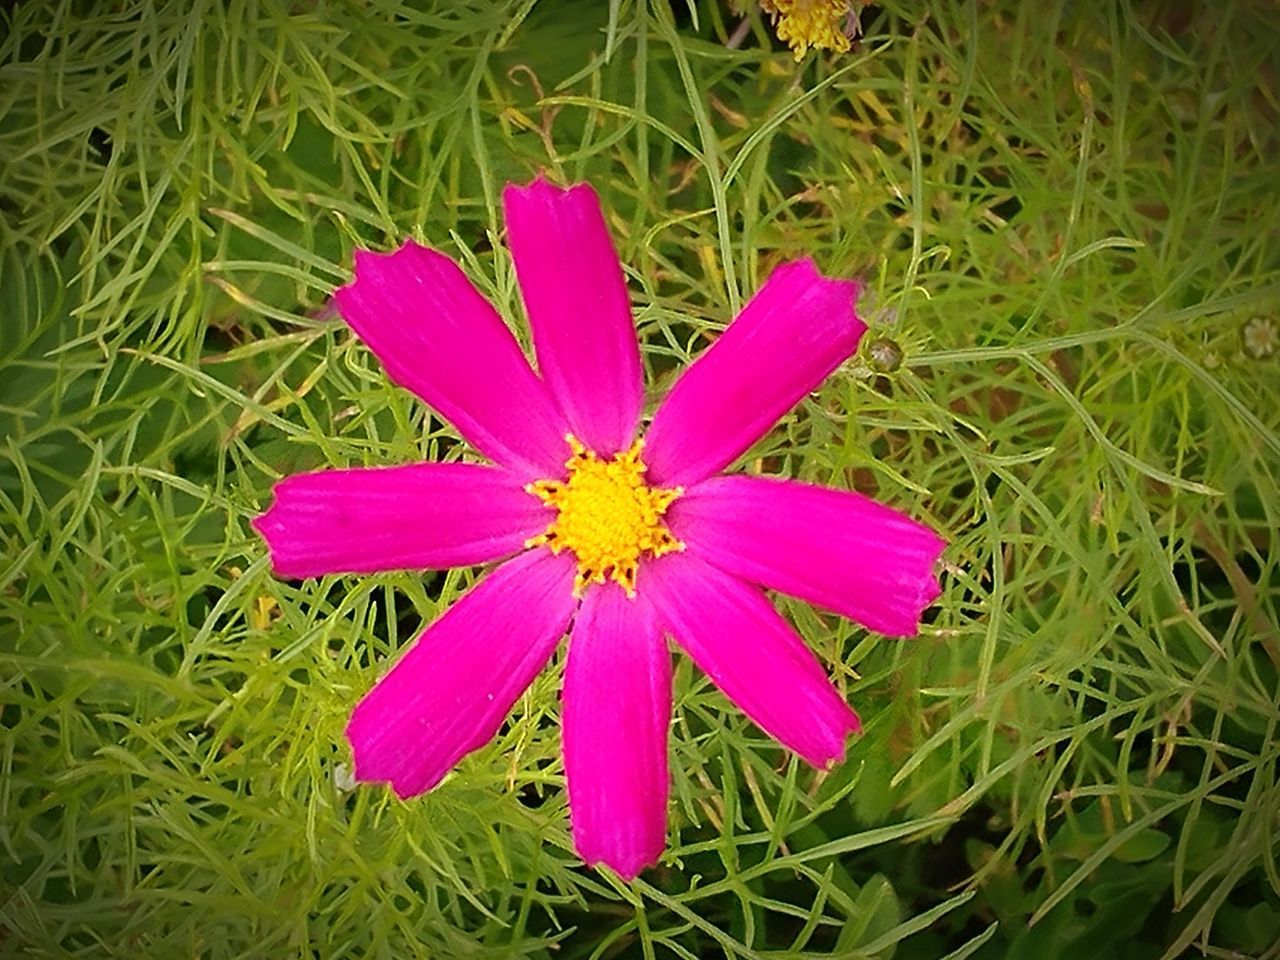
(735,636)
(450,691)
(436,335)
(796,330)
(416,517)
(617,709)
(836,549)
(576,298)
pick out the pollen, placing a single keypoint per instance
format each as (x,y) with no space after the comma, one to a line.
(607,516)
(810,23)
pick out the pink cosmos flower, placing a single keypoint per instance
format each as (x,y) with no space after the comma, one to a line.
(618,541)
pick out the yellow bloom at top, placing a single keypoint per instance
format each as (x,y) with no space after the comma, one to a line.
(810,23)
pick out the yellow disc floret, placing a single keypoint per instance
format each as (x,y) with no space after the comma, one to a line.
(810,23)
(607,515)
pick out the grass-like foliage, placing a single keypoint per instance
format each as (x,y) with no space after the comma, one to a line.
(1069,218)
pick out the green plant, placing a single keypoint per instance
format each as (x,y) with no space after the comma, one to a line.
(1069,217)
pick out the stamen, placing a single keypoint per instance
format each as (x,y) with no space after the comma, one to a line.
(825,24)
(607,516)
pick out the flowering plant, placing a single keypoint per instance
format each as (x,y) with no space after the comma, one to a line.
(617,540)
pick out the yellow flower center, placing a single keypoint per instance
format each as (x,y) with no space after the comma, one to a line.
(810,23)
(607,515)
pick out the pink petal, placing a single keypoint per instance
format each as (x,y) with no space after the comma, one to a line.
(453,687)
(415,517)
(796,330)
(436,335)
(836,549)
(736,637)
(617,709)
(576,299)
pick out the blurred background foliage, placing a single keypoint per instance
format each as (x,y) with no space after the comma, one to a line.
(1068,218)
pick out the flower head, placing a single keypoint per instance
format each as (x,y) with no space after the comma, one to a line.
(618,541)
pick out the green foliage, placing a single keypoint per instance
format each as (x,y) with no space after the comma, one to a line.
(1067,214)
